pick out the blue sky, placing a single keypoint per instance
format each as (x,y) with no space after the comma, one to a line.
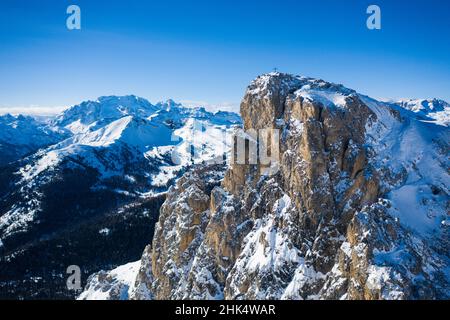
(208,51)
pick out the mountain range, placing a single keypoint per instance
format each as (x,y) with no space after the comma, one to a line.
(356,207)
(93,175)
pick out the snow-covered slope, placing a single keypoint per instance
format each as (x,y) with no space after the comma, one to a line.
(105,154)
(123,138)
(166,134)
(120,283)
(91,115)
(415,151)
(21,135)
(434,110)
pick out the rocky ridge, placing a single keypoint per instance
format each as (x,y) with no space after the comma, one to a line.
(357,207)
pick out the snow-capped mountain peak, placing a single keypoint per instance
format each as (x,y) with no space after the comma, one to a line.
(433,110)
(424,105)
(124,141)
(21,135)
(133,123)
(91,115)
(168,105)
(137,132)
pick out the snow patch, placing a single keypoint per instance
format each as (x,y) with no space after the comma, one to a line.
(104,231)
(118,284)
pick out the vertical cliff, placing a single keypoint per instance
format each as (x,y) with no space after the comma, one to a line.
(353,205)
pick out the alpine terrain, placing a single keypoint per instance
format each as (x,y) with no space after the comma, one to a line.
(356,205)
(85,187)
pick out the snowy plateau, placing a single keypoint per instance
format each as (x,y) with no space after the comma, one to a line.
(358,208)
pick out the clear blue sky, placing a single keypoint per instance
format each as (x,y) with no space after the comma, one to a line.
(210,50)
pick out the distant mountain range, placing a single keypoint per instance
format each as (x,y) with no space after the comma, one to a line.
(100,165)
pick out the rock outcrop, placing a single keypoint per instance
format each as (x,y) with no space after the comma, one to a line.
(349,210)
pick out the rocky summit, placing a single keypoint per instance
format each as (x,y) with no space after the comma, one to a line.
(356,207)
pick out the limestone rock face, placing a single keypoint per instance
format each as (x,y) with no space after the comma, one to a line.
(349,210)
